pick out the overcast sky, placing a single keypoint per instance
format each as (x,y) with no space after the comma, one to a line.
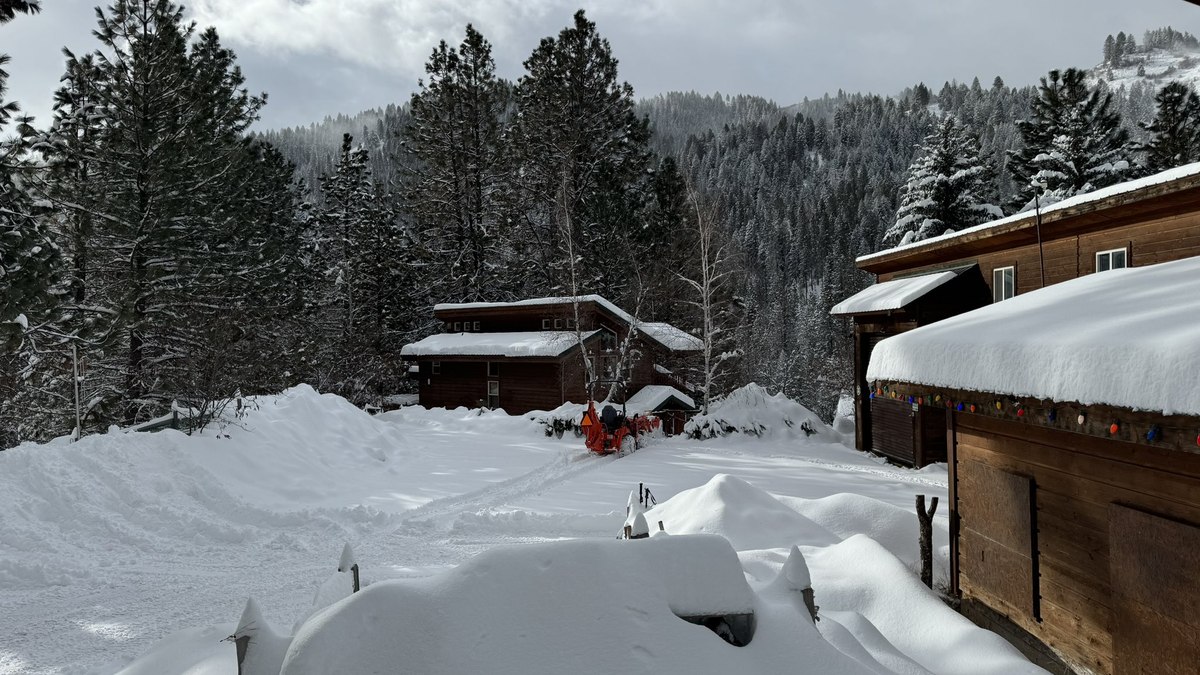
(320,57)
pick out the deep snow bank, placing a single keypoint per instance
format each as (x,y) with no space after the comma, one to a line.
(578,606)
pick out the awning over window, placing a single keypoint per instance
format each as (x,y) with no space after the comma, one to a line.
(892,295)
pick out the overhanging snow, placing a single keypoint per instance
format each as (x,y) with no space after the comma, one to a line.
(517,344)
(1128,338)
(891,295)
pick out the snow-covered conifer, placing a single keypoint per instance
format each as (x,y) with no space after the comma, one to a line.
(949,187)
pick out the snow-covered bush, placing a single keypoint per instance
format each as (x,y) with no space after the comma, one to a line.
(751,410)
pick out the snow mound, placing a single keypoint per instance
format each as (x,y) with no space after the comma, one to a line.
(578,606)
(191,651)
(751,410)
(749,517)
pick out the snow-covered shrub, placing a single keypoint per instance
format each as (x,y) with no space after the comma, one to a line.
(752,411)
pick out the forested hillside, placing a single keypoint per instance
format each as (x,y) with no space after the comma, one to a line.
(179,258)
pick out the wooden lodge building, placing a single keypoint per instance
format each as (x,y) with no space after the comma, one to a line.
(1068,416)
(1073,439)
(1142,222)
(527,355)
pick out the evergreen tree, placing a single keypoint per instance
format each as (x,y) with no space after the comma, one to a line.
(949,187)
(27,255)
(580,157)
(454,191)
(1073,142)
(1110,47)
(1175,131)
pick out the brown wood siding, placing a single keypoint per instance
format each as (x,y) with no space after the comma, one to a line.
(1156,599)
(523,386)
(1076,478)
(1168,237)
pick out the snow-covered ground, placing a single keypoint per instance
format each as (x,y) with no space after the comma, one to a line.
(112,544)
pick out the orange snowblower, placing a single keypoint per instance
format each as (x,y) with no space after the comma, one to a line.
(609,431)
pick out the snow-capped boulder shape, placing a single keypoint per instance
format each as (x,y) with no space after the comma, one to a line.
(582,606)
(194,651)
(752,411)
(749,517)
(260,649)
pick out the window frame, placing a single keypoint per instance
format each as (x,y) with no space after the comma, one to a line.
(493,384)
(458,327)
(475,326)
(1124,251)
(558,324)
(998,287)
(545,324)
(493,369)
(435,367)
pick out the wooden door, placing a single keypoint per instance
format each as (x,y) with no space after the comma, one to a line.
(1153,565)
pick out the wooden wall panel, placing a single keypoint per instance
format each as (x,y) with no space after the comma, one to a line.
(1156,593)
(1077,479)
(1173,236)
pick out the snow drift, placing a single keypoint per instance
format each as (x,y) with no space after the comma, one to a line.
(752,411)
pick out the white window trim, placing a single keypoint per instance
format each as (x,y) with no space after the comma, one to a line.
(997,283)
(493,384)
(558,324)
(545,324)
(493,369)
(1124,251)
(475,327)
(457,326)
(436,368)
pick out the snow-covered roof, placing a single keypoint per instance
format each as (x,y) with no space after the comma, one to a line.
(1128,338)
(542,343)
(653,396)
(669,336)
(889,295)
(665,334)
(1168,176)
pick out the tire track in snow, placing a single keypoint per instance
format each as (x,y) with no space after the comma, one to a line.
(565,465)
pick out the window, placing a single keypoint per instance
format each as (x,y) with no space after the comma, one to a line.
(1003,283)
(558,324)
(608,340)
(457,326)
(570,324)
(1111,260)
(475,327)
(493,400)
(493,369)
(437,368)
(545,324)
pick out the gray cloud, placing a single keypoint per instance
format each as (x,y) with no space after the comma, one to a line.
(320,57)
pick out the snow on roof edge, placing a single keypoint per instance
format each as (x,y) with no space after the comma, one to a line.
(892,295)
(598,299)
(1168,176)
(1119,338)
(517,344)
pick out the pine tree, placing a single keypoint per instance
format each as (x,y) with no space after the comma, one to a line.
(580,157)
(949,187)
(27,255)
(1175,131)
(454,192)
(1110,47)
(1073,142)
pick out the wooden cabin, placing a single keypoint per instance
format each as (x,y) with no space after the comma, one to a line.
(1073,438)
(529,355)
(1142,222)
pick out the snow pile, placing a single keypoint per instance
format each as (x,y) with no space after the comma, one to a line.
(1121,338)
(579,606)
(752,411)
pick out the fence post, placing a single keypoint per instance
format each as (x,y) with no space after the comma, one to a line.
(925,543)
(354,571)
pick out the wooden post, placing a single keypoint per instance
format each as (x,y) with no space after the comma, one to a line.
(925,543)
(354,571)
